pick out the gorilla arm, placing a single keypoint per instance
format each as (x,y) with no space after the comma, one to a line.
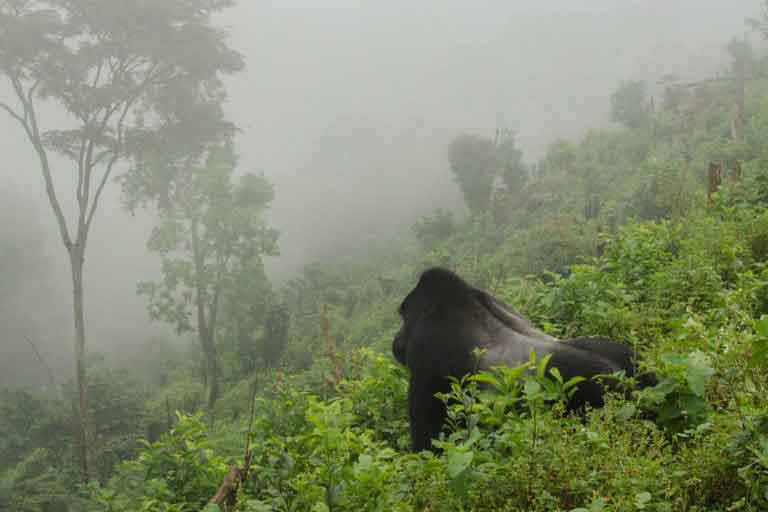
(426,422)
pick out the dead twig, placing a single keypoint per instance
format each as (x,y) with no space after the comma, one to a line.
(226,495)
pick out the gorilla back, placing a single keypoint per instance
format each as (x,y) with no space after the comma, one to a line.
(444,320)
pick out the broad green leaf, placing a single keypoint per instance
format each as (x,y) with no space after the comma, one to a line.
(573,381)
(761,326)
(626,412)
(542,366)
(364,463)
(486,378)
(698,372)
(556,374)
(458,461)
(532,389)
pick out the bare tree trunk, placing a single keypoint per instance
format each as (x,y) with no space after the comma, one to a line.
(213,371)
(208,346)
(206,324)
(76,261)
(737,127)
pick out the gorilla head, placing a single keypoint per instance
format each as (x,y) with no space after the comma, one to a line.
(444,320)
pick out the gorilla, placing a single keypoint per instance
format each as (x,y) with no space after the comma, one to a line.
(444,319)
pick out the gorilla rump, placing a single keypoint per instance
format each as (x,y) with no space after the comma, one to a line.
(445,319)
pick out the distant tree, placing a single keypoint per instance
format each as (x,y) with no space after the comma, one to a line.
(109,65)
(561,155)
(245,306)
(743,59)
(212,232)
(512,170)
(629,105)
(275,337)
(431,229)
(760,24)
(674,98)
(474,165)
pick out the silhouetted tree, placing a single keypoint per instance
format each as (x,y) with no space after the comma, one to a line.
(474,165)
(211,233)
(629,105)
(512,170)
(275,339)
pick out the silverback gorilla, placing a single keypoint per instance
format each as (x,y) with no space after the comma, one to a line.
(445,319)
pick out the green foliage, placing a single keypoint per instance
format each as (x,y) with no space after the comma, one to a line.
(679,399)
(474,166)
(211,238)
(513,171)
(275,335)
(629,105)
(477,164)
(178,473)
(687,294)
(434,228)
(32,484)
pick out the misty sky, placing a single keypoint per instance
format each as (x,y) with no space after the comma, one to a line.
(348,109)
(365,95)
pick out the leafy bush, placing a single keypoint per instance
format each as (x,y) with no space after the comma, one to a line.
(178,473)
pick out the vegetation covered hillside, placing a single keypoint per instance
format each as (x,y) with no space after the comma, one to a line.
(653,233)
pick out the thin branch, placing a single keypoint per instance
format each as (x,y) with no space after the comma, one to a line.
(99,158)
(85,172)
(226,495)
(80,164)
(98,75)
(99,190)
(214,308)
(13,113)
(32,89)
(51,379)
(120,139)
(33,133)
(248,452)
(108,171)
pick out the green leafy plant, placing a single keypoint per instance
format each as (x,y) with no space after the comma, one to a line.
(679,399)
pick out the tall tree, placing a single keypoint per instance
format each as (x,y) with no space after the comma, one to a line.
(513,171)
(245,305)
(211,232)
(275,338)
(474,165)
(629,105)
(108,64)
(742,56)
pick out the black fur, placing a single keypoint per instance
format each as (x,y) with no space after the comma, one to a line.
(445,319)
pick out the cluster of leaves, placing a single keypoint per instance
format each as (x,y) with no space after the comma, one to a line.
(178,473)
(315,454)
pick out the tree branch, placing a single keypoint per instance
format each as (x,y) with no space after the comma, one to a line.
(33,133)
(51,378)
(115,157)
(120,139)
(13,114)
(32,89)
(80,164)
